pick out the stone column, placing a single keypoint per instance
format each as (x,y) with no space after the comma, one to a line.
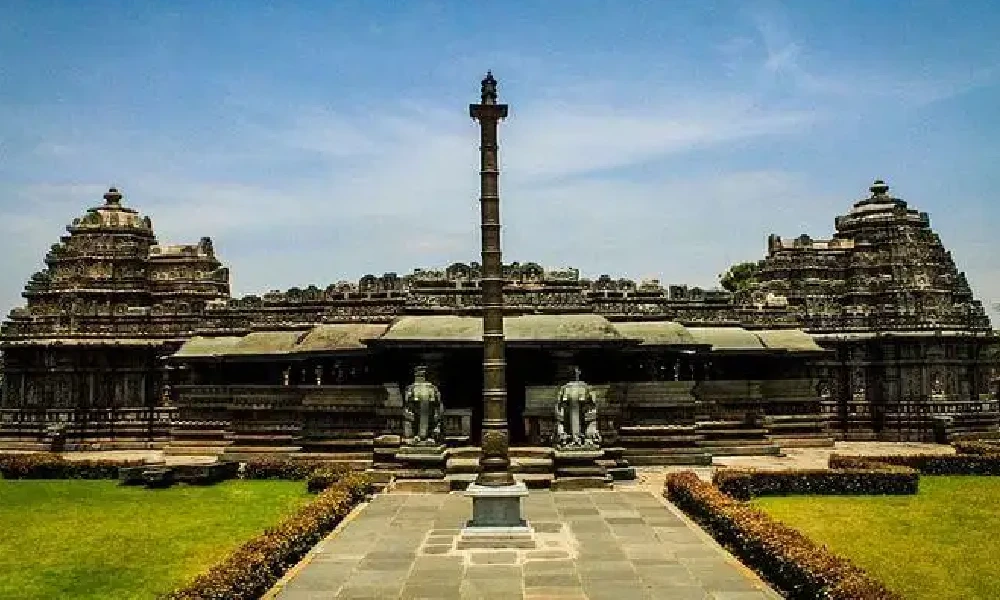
(496,497)
(494,466)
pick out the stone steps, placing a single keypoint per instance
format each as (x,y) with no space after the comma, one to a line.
(263,437)
(735,442)
(186,450)
(518,464)
(712,433)
(183,432)
(23,446)
(250,452)
(533,465)
(660,440)
(113,444)
(514,451)
(460,481)
(334,456)
(740,449)
(803,440)
(655,429)
(666,456)
(346,443)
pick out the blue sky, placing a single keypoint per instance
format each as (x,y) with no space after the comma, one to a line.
(646,139)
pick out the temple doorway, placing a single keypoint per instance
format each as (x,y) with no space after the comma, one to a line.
(460,379)
(461,384)
(525,367)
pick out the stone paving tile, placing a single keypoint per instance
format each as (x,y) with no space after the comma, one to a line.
(561,579)
(371,564)
(368,593)
(666,575)
(315,582)
(615,590)
(541,567)
(591,545)
(679,592)
(431,591)
(491,589)
(555,594)
(500,557)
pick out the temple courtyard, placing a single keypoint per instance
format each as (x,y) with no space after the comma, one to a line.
(620,545)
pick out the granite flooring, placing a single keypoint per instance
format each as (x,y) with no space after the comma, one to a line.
(619,545)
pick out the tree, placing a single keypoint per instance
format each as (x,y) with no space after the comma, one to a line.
(739,276)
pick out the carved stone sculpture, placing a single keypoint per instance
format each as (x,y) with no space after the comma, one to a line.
(422,410)
(937,385)
(576,415)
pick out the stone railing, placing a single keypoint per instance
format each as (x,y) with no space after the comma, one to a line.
(82,423)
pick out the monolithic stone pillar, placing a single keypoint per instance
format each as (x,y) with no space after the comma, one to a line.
(494,466)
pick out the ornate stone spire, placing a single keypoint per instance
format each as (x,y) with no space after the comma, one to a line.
(113,197)
(489,89)
(879,188)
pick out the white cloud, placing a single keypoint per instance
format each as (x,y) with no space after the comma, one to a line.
(787,58)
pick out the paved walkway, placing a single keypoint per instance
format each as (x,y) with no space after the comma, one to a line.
(620,545)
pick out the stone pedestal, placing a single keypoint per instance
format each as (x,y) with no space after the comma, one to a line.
(497,507)
(578,469)
(496,519)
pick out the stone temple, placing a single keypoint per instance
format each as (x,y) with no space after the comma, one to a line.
(124,342)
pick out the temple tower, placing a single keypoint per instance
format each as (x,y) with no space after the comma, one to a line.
(494,466)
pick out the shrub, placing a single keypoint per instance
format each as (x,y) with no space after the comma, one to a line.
(324,477)
(927,464)
(53,466)
(281,468)
(253,568)
(782,555)
(745,484)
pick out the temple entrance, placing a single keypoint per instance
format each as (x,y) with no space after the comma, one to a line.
(461,383)
(460,378)
(525,367)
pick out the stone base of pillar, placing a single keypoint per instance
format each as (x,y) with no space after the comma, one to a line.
(497,509)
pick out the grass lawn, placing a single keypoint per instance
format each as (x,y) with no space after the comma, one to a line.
(94,539)
(942,543)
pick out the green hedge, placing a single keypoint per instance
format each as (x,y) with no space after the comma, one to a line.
(45,465)
(324,477)
(745,484)
(783,556)
(283,468)
(253,568)
(927,464)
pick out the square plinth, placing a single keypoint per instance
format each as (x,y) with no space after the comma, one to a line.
(497,507)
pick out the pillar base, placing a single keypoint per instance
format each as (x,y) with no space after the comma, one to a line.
(497,508)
